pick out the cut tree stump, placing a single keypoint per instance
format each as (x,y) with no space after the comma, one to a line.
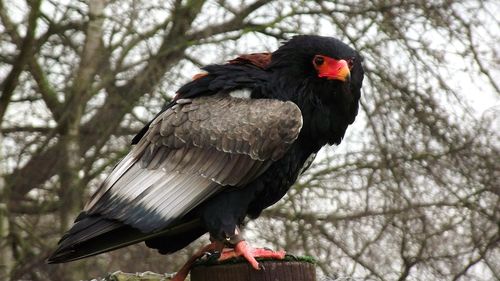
(289,269)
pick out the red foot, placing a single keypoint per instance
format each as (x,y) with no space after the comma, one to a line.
(249,253)
(241,249)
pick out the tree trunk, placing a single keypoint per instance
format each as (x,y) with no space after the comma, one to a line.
(5,249)
(273,270)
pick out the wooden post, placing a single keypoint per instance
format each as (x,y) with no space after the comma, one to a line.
(274,270)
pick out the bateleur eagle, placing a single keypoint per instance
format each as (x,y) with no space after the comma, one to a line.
(230,144)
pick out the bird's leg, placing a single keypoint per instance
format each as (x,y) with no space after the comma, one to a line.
(184,271)
(241,248)
(249,253)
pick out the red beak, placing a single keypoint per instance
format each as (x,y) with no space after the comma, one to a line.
(331,68)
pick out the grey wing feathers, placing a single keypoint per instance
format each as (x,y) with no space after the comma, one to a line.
(191,151)
(261,128)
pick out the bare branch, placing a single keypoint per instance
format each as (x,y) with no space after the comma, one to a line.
(25,52)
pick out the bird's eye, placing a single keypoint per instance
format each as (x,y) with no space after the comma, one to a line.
(318,60)
(350,62)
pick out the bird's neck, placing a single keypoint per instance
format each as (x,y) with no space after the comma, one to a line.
(326,108)
(321,125)
(325,119)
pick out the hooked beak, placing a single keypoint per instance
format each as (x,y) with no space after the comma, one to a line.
(332,69)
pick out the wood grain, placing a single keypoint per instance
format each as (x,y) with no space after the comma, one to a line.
(273,271)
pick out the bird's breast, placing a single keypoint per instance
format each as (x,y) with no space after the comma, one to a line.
(278,179)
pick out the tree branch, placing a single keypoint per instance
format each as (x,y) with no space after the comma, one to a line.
(25,52)
(49,95)
(119,101)
(235,23)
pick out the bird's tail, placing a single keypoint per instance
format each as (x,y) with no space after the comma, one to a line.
(91,236)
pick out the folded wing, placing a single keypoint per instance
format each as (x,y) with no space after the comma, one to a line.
(191,151)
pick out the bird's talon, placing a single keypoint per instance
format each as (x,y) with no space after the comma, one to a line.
(213,256)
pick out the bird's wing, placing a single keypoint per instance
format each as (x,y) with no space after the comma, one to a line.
(260,60)
(191,151)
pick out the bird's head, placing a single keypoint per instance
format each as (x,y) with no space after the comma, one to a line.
(325,68)
(323,76)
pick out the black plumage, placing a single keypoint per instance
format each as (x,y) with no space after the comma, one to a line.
(208,160)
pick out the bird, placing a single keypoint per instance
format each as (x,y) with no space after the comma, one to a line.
(229,144)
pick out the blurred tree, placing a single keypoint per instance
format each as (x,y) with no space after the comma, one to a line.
(412,194)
